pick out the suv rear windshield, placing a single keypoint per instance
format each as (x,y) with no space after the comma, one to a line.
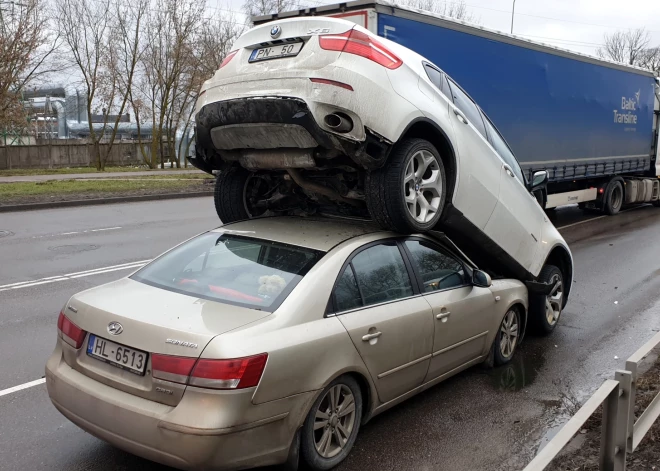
(237,270)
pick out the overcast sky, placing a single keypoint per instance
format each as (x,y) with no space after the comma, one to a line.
(572,24)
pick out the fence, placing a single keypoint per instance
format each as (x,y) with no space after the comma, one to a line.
(65,154)
(620,434)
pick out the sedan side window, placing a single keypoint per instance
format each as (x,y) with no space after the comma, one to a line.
(375,275)
(503,150)
(437,270)
(467,106)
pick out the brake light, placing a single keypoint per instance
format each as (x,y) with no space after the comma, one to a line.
(70,332)
(227,59)
(237,373)
(360,44)
(172,368)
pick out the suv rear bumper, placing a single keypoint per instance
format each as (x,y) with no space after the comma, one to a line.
(220,430)
(292,115)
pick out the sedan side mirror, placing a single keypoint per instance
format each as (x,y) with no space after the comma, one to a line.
(481,279)
(539,180)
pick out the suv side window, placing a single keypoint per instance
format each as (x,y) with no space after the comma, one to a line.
(467,106)
(438,270)
(437,78)
(375,275)
(503,150)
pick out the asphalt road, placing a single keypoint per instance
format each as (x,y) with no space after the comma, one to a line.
(477,420)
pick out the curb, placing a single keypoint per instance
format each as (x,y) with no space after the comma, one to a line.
(92,202)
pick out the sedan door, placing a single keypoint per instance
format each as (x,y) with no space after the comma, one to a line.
(388,321)
(463,314)
(517,220)
(479,167)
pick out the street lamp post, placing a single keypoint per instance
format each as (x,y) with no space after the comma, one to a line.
(513,10)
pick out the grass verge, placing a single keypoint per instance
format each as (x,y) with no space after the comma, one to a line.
(66,190)
(15,172)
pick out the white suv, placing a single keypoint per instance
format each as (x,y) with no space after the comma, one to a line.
(313,115)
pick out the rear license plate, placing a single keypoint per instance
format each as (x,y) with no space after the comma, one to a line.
(275,52)
(117,355)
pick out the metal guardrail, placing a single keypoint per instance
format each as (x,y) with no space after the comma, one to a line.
(620,434)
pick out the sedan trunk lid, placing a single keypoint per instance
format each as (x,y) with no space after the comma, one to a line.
(151,320)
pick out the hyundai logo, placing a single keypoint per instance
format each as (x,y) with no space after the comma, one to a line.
(275,32)
(115,328)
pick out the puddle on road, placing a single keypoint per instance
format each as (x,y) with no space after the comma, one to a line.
(521,372)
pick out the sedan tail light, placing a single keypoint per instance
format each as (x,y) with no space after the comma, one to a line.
(360,44)
(70,332)
(237,373)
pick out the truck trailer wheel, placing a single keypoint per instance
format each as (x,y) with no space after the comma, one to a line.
(544,310)
(408,193)
(236,189)
(613,197)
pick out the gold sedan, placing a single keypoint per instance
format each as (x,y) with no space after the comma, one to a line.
(273,340)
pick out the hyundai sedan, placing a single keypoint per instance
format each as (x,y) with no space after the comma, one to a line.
(274,340)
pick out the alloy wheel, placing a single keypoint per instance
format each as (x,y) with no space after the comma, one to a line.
(422,186)
(334,421)
(509,334)
(554,300)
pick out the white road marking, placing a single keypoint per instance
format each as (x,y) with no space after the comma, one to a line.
(71,276)
(601,217)
(20,387)
(79,232)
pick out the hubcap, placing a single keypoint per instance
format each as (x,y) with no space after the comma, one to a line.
(254,192)
(509,331)
(334,421)
(422,186)
(553,302)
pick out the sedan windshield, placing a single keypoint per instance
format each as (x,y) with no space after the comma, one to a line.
(231,269)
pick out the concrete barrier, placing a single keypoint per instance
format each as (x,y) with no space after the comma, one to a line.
(60,154)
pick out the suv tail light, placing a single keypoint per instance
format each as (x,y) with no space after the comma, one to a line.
(360,44)
(70,332)
(227,59)
(237,373)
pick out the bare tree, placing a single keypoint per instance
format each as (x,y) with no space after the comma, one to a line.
(26,45)
(650,59)
(102,37)
(453,9)
(268,7)
(625,46)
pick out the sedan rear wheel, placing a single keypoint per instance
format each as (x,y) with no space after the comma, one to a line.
(408,193)
(332,425)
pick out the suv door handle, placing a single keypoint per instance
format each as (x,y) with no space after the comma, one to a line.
(460,116)
(508,170)
(375,335)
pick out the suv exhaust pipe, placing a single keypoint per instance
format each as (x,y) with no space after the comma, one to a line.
(339,122)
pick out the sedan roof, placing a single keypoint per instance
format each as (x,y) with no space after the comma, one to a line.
(311,232)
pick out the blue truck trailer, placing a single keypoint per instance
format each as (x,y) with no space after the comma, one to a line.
(591,123)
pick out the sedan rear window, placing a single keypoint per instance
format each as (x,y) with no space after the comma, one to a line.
(231,269)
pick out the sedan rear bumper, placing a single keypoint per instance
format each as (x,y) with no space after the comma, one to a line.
(206,430)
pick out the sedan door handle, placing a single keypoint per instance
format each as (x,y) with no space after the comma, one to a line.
(460,116)
(375,335)
(443,316)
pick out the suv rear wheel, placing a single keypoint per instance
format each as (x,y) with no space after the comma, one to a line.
(408,193)
(236,194)
(544,310)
